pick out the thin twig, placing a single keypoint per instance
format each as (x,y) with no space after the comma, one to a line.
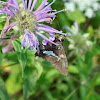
(87,24)
(10,65)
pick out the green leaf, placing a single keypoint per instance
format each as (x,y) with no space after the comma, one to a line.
(76,16)
(90,31)
(30,78)
(96,20)
(0,56)
(17,45)
(39,69)
(73,69)
(95,50)
(92,87)
(28,73)
(14,81)
(3,92)
(38,3)
(2,18)
(22,55)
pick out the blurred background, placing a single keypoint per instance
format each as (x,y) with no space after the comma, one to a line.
(41,79)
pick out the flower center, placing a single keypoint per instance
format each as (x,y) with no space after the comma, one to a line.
(26,20)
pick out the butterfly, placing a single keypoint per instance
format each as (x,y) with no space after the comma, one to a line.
(55,55)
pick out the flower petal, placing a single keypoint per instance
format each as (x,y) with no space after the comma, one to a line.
(41,6)
(29,4)
(24,41)
(15,3)
(52,36)
(45,38)
(49,29)
(46,8)
(24,5)
(44,42)
(31,39)
(34,2)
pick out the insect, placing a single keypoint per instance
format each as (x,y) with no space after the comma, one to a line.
(55,55)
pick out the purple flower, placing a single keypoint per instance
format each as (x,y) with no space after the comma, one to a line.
(28,20)
(31,39)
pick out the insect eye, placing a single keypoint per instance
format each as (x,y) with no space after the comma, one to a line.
(62,40)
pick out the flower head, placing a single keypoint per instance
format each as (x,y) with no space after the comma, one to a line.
(28,20)
(84,42)
(88,7)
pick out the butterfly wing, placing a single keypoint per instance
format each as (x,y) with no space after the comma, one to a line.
(60,60)
(60,63)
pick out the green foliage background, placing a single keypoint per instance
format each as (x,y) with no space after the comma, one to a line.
(26,77)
